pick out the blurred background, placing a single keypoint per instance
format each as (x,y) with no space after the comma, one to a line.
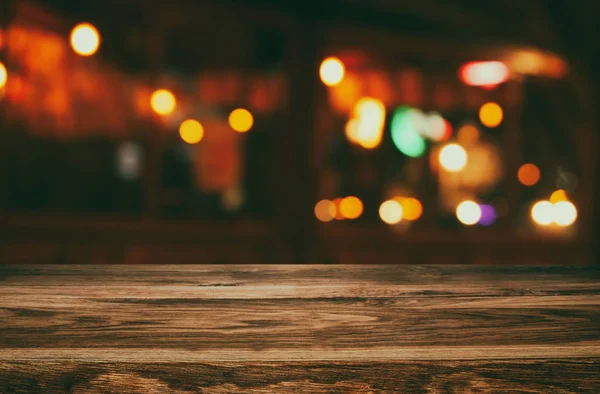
(249,131)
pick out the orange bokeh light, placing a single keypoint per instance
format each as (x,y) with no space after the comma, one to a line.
(241,120)
(529,174)
(412,208)
(351,207)
(191,131)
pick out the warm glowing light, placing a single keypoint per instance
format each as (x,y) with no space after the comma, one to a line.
(338,214)
(559,195)
(468,212)
(406,131)
(163,102)
(565,213)
(3,75)
(332,71)
(391,212)
(542,213)
(241,120)
(468,135)
(491,114)
(85,39)
(411,208)
(528,174)
(191,131)
(351,130)
(484,73)
(325,210)
(370,114)
(351,207)
(453,157)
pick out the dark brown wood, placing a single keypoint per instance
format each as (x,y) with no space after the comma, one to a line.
(297,328)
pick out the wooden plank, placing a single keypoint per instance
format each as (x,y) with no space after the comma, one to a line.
(298,328)
(539,376)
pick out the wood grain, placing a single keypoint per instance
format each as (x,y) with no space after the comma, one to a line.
(294,328)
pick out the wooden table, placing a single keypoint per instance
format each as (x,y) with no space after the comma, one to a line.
(299,329)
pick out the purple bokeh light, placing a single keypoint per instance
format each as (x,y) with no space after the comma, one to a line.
(488,215)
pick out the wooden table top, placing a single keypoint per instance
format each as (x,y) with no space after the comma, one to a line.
(313,329)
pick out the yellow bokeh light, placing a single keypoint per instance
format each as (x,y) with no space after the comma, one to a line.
(468,134)
(468,212)
(542,213)
(528,174)
(369,114)
(241,120)
(559,195)
(351,207)
(564,213)
(325,210)
(85,39)
(351,130)
(391,212)
(163,102)
(3,75)
(191,131)
(332,71)
(491,114)
(411,208)
(453,157)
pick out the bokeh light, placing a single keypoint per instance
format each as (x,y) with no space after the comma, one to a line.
(491,114)
(453,157)
(3,75)
(468,135)
(241,120)
(405,129)
(468,212)
(325,210)
(528,174)
(370,114)
(163,102)
(351,130)
(564,213)
(85,39)
(191,131)
(411,207)
(542,213)
(129,160)
(488,215)
(558,195)
(332,71)
(338,212)
(391,212)
(436,126)
(351,207)
(484,73)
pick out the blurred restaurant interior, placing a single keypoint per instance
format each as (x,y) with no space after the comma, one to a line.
(263,131)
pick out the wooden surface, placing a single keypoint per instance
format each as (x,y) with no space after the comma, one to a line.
(299,329)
